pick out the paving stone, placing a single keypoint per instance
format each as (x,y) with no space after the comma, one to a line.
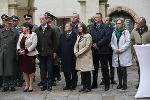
(58,94)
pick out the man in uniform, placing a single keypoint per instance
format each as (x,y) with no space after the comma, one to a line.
(19,76)
(28,18)
(15,24)
(8,44)
(3,17)
(56,65)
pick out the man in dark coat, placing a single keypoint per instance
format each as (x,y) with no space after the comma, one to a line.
(75,21)
(8,44)
(101,49)
(108,21)
(68,59)
(47,52)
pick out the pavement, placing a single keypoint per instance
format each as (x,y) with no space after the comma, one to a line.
(58,94)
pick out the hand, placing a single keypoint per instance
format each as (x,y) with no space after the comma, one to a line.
(118,52)
(95,46)
(22,52)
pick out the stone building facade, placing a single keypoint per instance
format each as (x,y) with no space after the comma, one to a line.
(63,9)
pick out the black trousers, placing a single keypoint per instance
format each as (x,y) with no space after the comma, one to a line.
(46,70)
(71,79)
(103,59)
(1,81)
(111,71)
(86,79)
(9,81)
(19,74)
(19,77)
(56,71)
(122,75)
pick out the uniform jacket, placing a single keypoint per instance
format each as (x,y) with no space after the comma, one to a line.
(8,52)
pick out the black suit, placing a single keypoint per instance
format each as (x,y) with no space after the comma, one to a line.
(102,37)
(68,59)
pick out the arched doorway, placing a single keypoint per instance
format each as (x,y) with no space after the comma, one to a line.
(129,21)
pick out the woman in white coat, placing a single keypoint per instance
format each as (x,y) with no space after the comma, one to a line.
(26,48)
(122,57)
(84,60)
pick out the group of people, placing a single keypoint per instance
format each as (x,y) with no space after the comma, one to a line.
(72,50)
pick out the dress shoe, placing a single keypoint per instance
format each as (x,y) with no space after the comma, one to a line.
(102,83)
(49,88)
(43,88)
(93,86)
(106,88)
(119,86)
(66,88)
(12,89)
(87,90)
(72,88)
(40,84)
(25,90)
(113,82)
(124,87)
(30,90)
(5,89)
(83,89)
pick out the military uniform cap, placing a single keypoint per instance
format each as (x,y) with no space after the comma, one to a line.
(27,17)
(9,20)
(4,17)
(15,18)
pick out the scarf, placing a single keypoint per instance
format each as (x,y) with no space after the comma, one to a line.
(118,33)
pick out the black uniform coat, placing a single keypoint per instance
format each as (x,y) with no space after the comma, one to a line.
(66,52)
(102,37)
(8,52)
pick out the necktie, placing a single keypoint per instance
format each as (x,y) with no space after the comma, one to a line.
(67,35)
(97,26)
